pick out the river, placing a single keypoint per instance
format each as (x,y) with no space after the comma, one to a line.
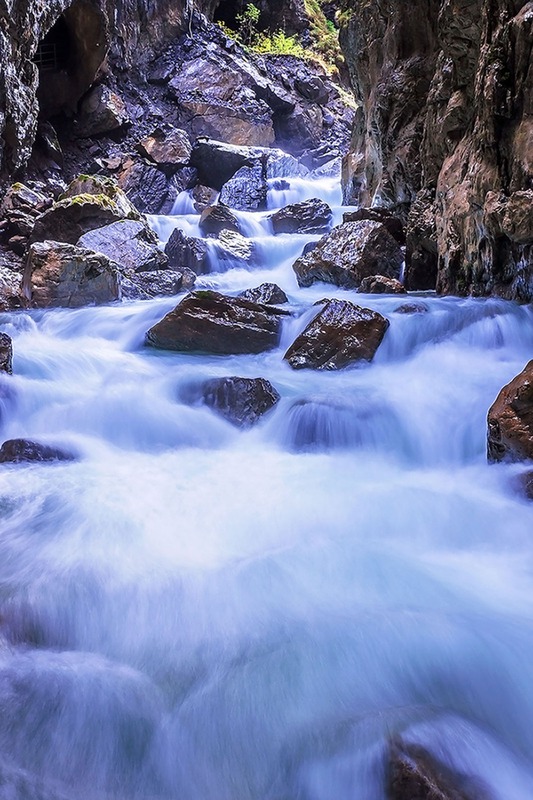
(195,612)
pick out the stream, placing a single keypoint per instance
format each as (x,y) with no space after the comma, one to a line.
(190,611)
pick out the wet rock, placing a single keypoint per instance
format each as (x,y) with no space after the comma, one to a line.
(129,243)
(526,484)
(90,202)
(379,284)
(217,162)
(209,322)
(146,187)
(168,148)
(414,774)
(510,420)
(247,190)
(48,140)
(302,130)
(233,247)
(67,276)
(412,308)
(266,293)
(159,283)
(351,252)
(215,219)
(421,257)
(204,196)
(309,216)
(242,401)
(187,251)
(101,111)
(393,224)
(341,334)
(6,354)
(17,451)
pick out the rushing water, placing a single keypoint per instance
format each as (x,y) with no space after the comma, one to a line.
(193,612)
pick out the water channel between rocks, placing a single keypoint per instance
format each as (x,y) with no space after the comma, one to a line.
(196,612)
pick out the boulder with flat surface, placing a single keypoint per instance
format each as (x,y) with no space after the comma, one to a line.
(309,216)
(210,322)
(342,333)
(351,252)
(130,243)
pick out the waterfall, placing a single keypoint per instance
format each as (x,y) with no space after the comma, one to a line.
(191,611)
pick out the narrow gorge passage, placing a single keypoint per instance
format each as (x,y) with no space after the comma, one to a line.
(195,611)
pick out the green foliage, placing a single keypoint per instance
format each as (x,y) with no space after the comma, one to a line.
(247,22)
(280,44)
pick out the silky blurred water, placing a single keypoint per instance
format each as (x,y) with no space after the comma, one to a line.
(194,612)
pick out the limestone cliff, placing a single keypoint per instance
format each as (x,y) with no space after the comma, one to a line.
(444,135)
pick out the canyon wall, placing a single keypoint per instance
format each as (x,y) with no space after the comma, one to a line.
(444,136)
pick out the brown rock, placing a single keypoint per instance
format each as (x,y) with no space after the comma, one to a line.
(209,322)
(168,148)
(510,420)
(393,224)
(379,284)
(6,354)
(415,775)
(309,216)
(242,401)
(101,111)
(16,451)
(64,275)
(341,334)
(351,252)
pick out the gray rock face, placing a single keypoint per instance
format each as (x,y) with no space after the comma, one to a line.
(187,251)
(67,276)
(129,243)
(146,187)
(17,451)
(242,401)
(309,216)
(266,293)
(160,283)
(510,420)
(209,322)
(215,219)
(351,252)
(6,354)
(341,334)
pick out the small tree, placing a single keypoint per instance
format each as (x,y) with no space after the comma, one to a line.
(247,22)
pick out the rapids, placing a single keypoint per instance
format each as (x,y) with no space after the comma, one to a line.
(193,612)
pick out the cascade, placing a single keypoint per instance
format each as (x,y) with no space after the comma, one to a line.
(191,610)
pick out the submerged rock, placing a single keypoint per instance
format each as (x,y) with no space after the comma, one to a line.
(242,401)
(68,276)
(341,334)
(379,284)
(130,243)
(412,308)
(209,322)
(309,216)
(510,420)
(6,354)
(16,451)
(267,293)
(351,252)
(414,774)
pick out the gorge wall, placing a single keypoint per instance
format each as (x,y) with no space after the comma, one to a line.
(444,136)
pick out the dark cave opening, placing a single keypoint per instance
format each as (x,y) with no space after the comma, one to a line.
(55,50)
(227,12)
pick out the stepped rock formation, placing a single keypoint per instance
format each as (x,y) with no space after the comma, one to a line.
(444,136)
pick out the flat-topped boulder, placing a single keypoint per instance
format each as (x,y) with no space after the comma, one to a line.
(309,216)
(242,401)
(510,420)
(380,284)
(130,243)
(17,451)
(351,252)
(209,322)
(342,333)
(62,275)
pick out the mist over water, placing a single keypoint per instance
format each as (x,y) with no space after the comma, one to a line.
(194,612)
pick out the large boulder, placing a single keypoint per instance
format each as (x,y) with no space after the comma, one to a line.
(68,276)
(187,251)
(215,219)
(101,111)
(341,334)
(242,401)
(309,216)
(130,243)
(217,162)
(247,190)
(146,187)
(207,321)
(168,148)
(159,283)
(510,420)
(89,202)
(16,451)
(267,293)
(351,252)
(6,353)
(393,224)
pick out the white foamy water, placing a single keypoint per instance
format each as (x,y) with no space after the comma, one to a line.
(193,612)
